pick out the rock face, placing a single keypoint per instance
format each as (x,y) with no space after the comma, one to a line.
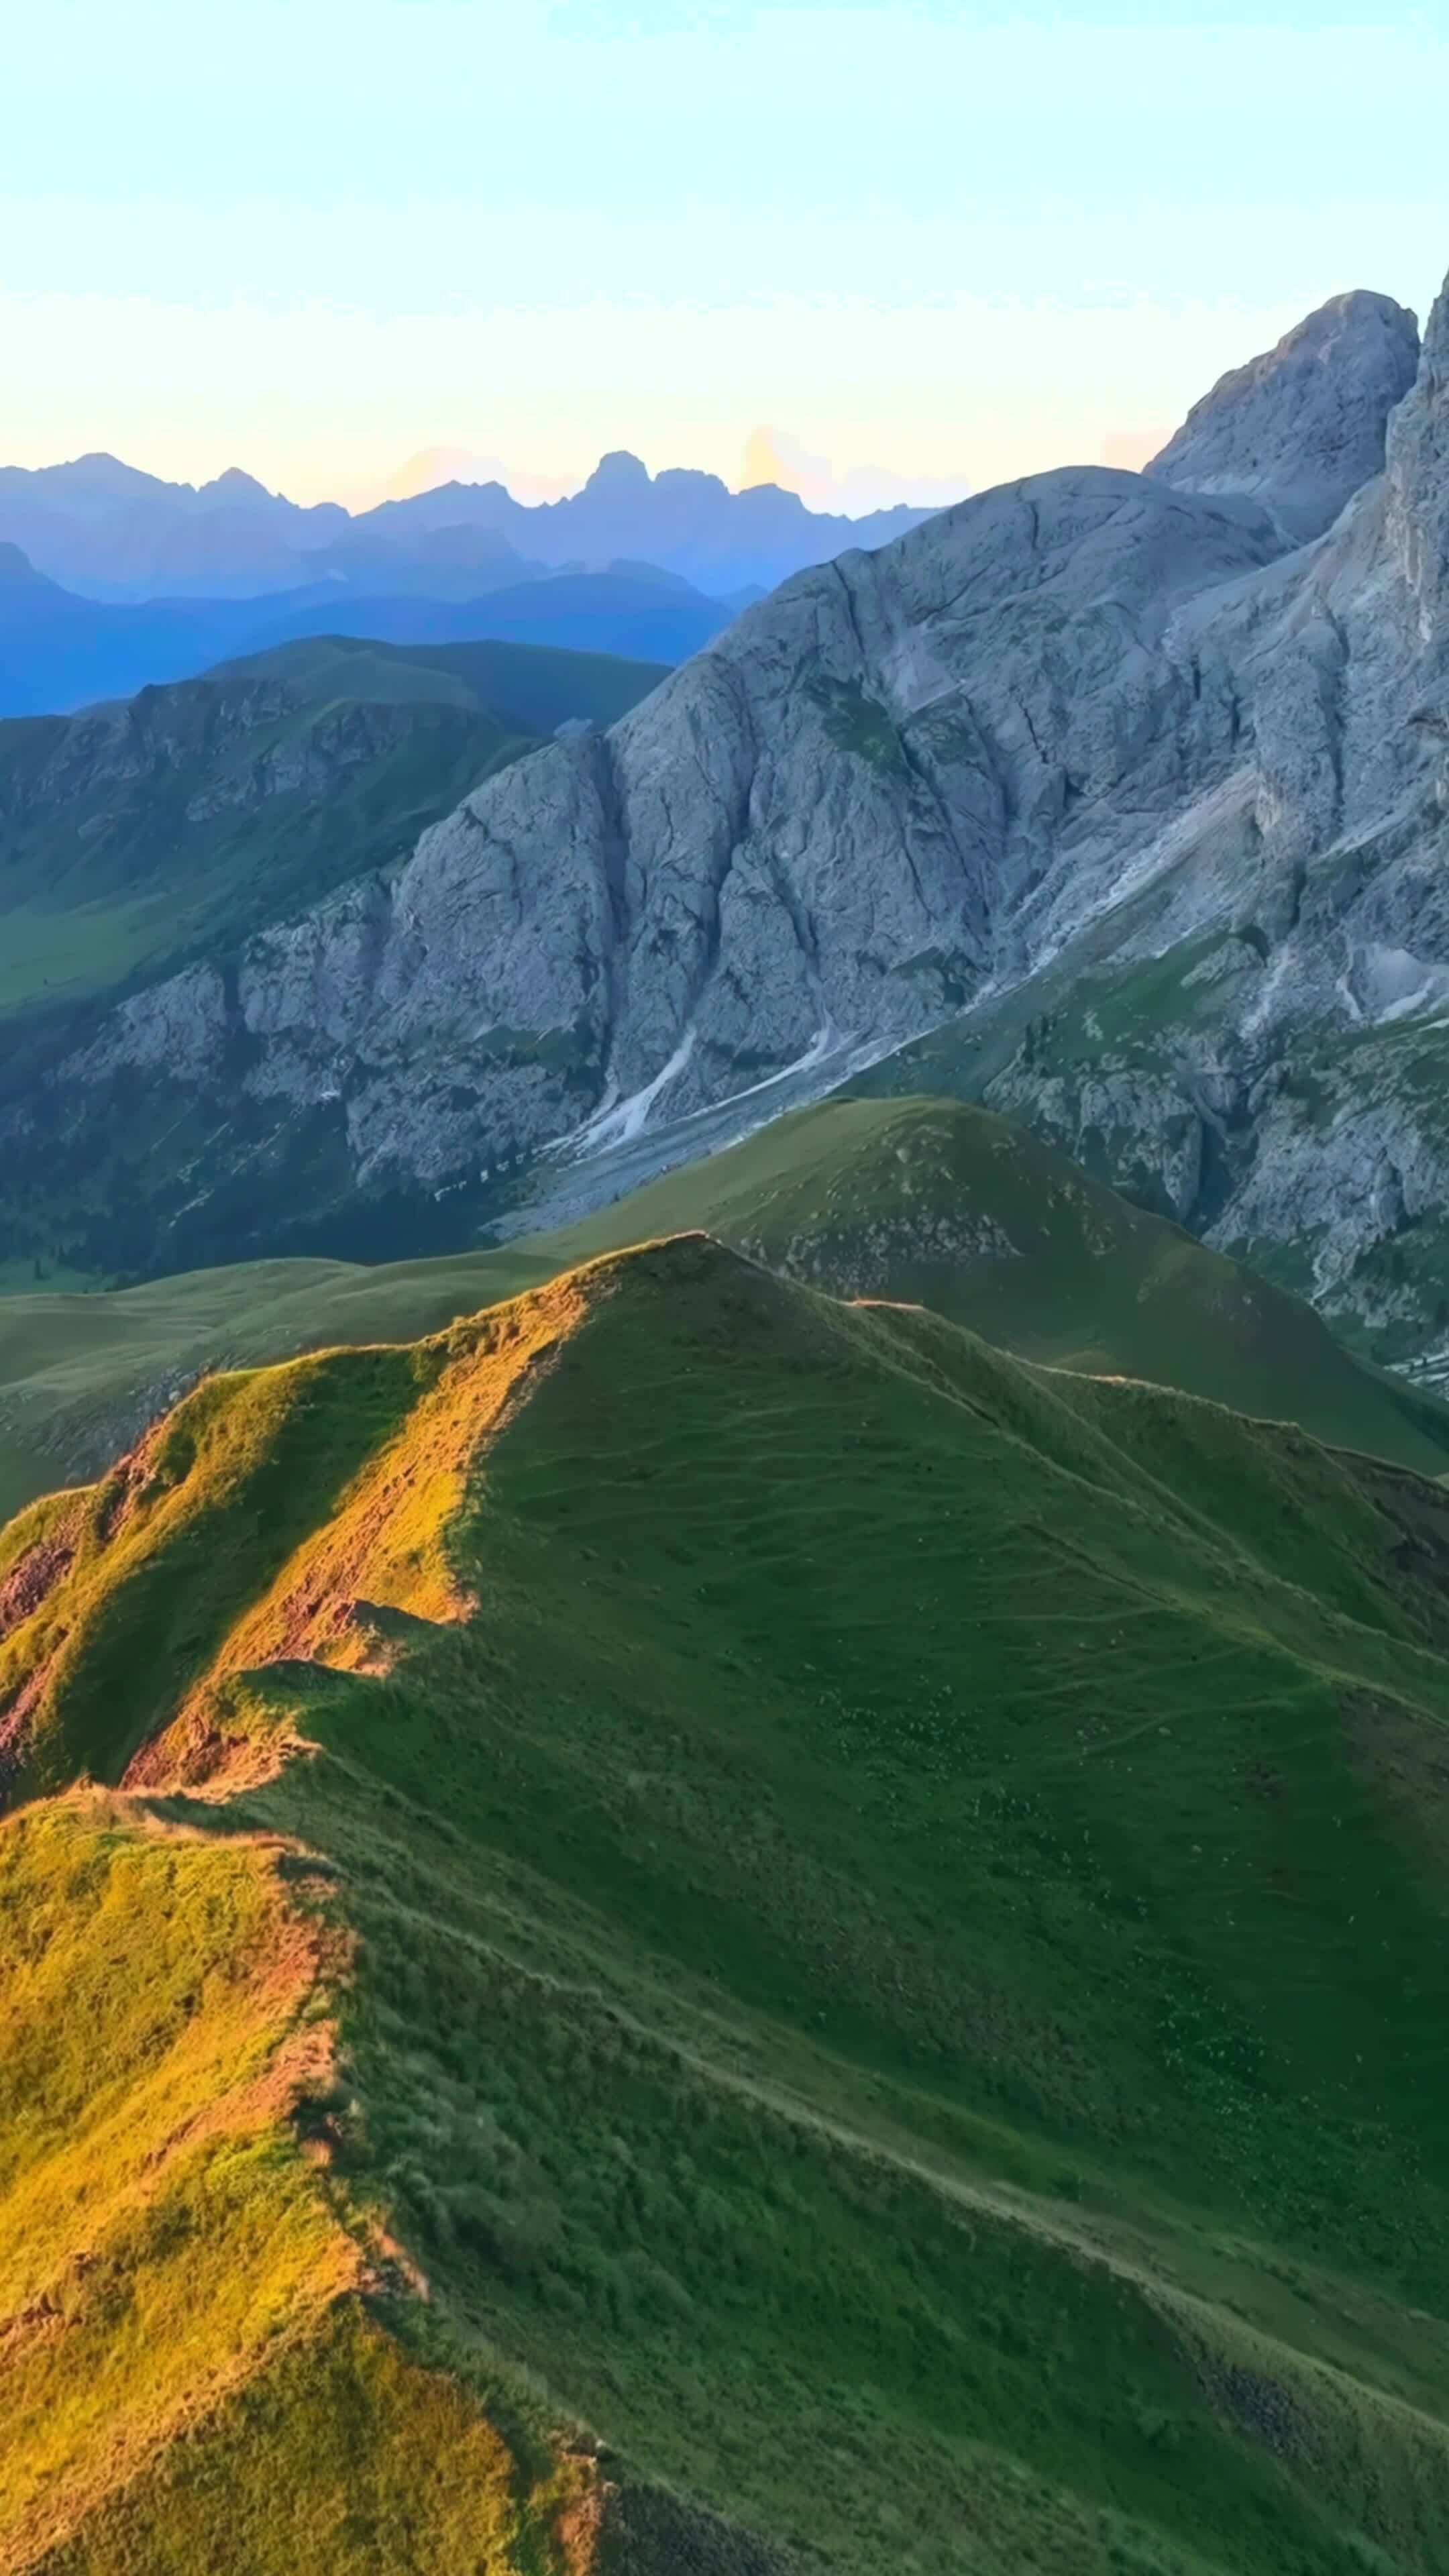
(1146,814)
(1301,428)
(826,832)
(1281,1087)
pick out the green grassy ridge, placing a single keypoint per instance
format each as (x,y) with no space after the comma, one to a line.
(383,2464)
(252,792)
(530,687)
(928,1201)
(906,1199)
(267,1455)
(154,2235)
(899,1949)
(169,2261)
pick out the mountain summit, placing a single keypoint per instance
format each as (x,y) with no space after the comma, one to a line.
(1302,428)
(620,473)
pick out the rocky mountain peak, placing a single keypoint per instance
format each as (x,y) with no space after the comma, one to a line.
(99,472)
(1435,358)
(618,473)
(233,484)
(1302,427)
(687,482)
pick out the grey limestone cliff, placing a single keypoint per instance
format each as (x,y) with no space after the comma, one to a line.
(1145,814)
(1290,1025)
(878,791)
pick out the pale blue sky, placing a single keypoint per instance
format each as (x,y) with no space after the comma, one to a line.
(947,242)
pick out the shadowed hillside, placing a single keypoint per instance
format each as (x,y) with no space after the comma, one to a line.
(158,830)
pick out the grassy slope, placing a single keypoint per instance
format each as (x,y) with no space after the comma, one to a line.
(950,1207)
(884,1914)
(1086,1021)
(905,1199)
(89,911)
(106,877)
(168,2256)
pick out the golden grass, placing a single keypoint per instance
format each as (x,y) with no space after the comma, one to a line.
(385,1546)
(159,2231)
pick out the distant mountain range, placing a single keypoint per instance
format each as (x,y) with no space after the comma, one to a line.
(104,529)
(111,580)
(59,650)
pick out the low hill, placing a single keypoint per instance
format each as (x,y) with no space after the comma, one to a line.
(927,1201)
(687,1928)
(633,613)
(140,835)
(530,688)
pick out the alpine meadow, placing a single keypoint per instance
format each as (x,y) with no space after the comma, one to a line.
(724,1294)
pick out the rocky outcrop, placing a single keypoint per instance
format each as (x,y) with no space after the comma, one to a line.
(1090,757)
(1304,1055)
(825,833)
(229,743)
(1301,429)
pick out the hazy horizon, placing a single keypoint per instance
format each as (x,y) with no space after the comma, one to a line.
(856,494)
(929,248)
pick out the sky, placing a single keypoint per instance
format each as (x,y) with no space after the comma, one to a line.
(882,252)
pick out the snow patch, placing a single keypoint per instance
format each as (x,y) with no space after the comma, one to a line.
(619,1122)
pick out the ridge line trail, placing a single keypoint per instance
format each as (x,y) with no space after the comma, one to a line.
(1000,2202)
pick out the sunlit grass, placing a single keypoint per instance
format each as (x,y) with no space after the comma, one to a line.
(868,1920)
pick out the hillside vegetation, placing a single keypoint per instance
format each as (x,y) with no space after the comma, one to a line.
(138,836)
(925,1201)
(688,1928)
(530,688)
